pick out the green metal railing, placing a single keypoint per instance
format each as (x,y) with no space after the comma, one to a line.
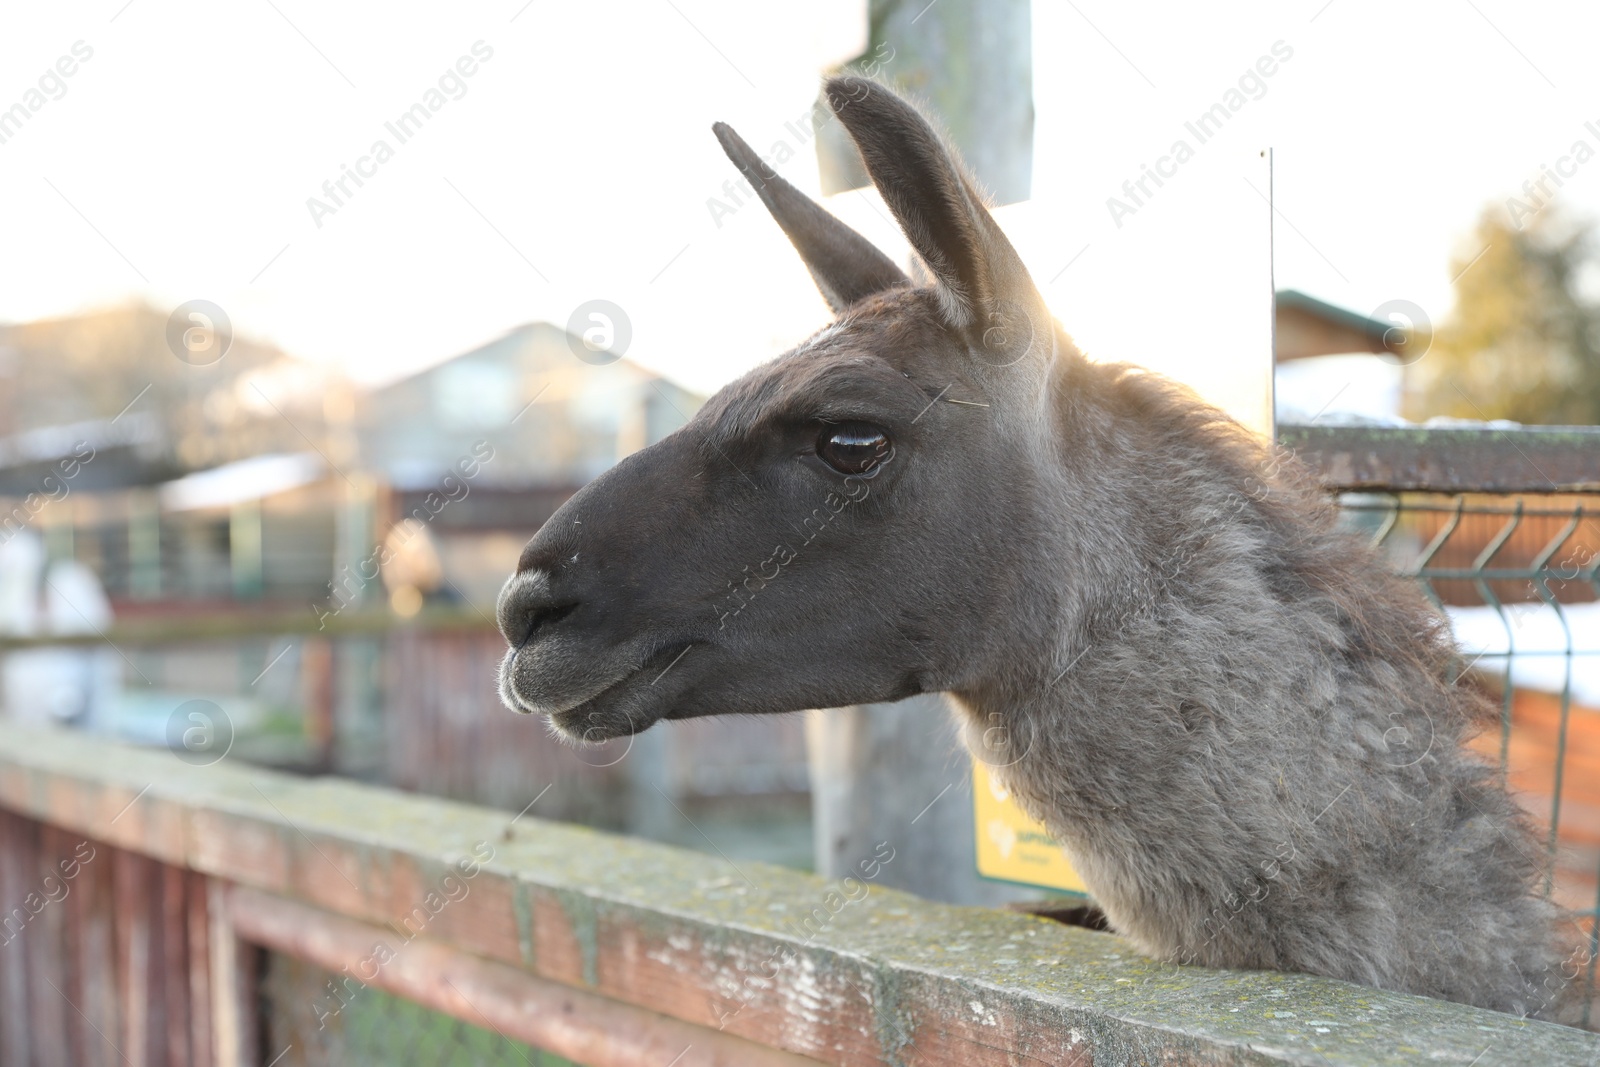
(1514,557)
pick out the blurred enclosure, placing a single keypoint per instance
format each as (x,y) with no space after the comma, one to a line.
(1517,579)
(320,562)
(315,569)
(254,558)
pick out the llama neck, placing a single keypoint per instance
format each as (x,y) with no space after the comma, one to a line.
(1240,723)
(1176,631)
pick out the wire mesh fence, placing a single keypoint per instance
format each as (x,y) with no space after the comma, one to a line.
(1519,578)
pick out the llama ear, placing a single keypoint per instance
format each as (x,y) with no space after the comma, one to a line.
(845,265)
(977,271)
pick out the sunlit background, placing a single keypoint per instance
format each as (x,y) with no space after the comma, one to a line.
(404,220)
(294,302)
(577,162)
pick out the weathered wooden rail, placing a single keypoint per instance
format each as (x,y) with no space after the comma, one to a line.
(604,949)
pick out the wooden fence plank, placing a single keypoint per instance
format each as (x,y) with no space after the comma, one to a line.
(16,865)
(569,1022)
(53,1014)
(232,969)
(172,971)
(197,966)
(785,960)
(94,978)
(132,876)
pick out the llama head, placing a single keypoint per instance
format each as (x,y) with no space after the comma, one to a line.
(842,525)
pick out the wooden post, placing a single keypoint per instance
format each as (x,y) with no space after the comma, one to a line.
(318,694)
(358,738)
(652,793)
(144,544)
(244,549)
(972,64)
(202,1006)
(231,971)
(173,969)
(18,983)
(133,877)
(92,954)
(875,768)
(897,774)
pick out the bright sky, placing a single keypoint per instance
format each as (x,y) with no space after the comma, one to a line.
(577,165)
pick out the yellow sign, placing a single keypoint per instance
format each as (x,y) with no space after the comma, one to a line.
(1011,846)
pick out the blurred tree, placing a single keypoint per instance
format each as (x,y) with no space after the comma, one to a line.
(1523,341)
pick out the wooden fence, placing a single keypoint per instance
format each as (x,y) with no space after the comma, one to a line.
(138,892)
(445,733)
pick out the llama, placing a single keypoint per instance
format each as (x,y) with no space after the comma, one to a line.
(1242,728)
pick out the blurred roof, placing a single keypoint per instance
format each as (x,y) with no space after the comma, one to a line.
(245,480)
(89,454)
(1305,327)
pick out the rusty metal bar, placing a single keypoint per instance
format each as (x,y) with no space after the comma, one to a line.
(1524,459)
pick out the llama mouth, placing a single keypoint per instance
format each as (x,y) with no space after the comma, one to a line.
(628,706)
(615,705)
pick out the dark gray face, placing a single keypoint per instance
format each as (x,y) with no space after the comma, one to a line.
(805,516)
(809,539)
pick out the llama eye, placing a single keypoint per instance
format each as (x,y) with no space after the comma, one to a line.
(853,448)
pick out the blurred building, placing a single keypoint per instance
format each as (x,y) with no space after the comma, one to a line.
(482,449)
(263,477)
(1333,364)
(551,418)
(485,447)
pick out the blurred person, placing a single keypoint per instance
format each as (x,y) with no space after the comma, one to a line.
(73,686)
(412,571)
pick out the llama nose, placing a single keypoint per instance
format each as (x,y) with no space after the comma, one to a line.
(527,604)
